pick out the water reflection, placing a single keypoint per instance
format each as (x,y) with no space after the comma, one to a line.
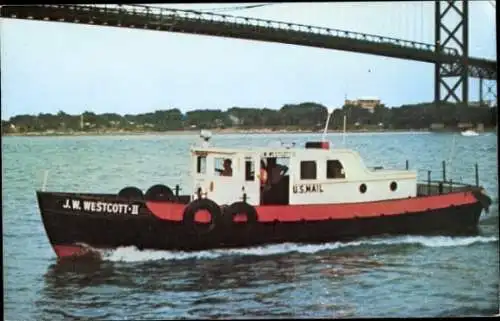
(65,293)
(66,274)
(293,284)
(233,286)
(347,264)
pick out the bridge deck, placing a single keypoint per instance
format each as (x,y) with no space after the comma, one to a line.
(186,21)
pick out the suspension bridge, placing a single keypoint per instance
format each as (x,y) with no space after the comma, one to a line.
(451,63)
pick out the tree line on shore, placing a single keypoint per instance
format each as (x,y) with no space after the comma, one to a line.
(303,116)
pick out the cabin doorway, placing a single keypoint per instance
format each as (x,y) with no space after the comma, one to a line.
(251,183)
(276,189)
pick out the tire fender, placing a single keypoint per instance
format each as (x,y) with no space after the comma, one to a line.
(159,192)
(240,208)
(131,193)
(202,204)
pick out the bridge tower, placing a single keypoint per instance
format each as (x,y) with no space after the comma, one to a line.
(452,79)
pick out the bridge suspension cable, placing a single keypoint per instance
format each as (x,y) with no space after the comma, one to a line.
(422,38)
(212,10)
(243,7)
(234,8)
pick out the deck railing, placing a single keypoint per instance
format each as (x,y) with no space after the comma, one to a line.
(434,187)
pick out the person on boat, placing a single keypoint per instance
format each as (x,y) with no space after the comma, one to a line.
(263,173)
(275,171)
(264,182)
(228,170)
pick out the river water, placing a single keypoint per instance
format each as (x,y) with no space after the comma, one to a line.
(406,276)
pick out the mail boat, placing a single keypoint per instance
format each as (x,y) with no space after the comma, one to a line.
(323,194)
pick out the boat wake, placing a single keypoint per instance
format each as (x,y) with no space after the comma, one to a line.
(132,254)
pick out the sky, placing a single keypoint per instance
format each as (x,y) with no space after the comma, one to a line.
(51,66)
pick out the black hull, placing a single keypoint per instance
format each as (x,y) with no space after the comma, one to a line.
(149,232)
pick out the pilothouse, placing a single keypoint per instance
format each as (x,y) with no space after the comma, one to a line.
(313,174)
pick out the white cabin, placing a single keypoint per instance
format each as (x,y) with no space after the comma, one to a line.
(316,175)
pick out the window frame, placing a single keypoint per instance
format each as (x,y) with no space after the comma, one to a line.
(302,171)
(328,162)
(199,164)
(249,177)
(221,158)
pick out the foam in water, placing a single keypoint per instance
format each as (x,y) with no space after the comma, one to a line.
(132,254)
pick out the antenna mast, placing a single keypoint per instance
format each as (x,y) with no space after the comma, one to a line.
(343,134)
(327,122)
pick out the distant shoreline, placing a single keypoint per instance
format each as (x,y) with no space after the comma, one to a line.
(221,132)
(218,132)
(196,132)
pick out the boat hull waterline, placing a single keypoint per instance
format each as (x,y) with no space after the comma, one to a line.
(76,224)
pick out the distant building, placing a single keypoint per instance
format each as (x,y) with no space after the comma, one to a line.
(368,103)
(437,126)
(465,125)
(485,103)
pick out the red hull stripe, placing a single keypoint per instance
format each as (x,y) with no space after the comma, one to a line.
(168,211)
(370,209)
(317,212)
(69,250)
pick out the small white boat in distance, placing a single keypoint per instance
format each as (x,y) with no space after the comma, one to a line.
(469,132)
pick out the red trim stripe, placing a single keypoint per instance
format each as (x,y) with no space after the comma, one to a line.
(317,212)
(367,209)
(167,211)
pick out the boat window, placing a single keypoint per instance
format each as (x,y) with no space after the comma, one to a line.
(334,169)
(283,161)
(223,166)
(308,170)
(276,168)
(249,169)
(201,164)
